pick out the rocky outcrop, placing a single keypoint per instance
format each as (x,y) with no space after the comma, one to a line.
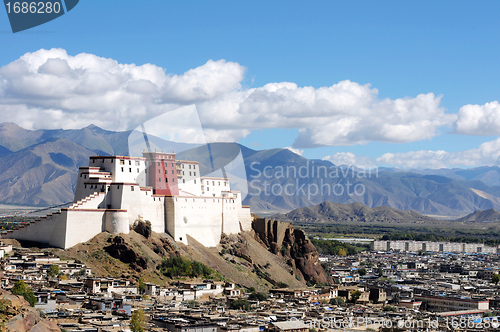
(18,316)
(143,228)
(283,239)
(122,251)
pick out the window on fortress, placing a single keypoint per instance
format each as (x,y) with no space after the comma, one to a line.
(158,163)
(85,186)
(159,179)
(166,180)
(122,162)
(159,171)
(137,163)
(225,183)
(213,183)
(112,160)
(182,165)
(194,181)
(132,188)
(137,170)
(219,183)
(194,173)
(208,188)
(166,172)
(189,173)
(189,166)
(93,161)
(173,172)
(130,162)
(130,170)
(173,180)
(173,165)
(194,166)
(182,172)
(183,181)
(122,169)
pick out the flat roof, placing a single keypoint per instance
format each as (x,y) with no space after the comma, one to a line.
(117,157)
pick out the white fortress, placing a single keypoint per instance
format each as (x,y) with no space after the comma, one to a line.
(113,192)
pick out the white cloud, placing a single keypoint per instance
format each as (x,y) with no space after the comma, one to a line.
(51,89)
(349,158)
(487,153)
(296,151)
(480,120)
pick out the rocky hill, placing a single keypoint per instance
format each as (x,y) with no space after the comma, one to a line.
(292,244)
(328,212)
(16,315)
(245,259)
(490,215)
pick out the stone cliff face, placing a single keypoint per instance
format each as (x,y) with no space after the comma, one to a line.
(283,239)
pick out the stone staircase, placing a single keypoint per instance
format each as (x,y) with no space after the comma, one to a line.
(88,202)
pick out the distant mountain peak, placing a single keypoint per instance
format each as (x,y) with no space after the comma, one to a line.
(10,126)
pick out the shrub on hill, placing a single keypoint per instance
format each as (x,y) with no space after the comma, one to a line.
(182,267)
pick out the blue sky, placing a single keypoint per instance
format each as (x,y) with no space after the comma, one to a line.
(401,49)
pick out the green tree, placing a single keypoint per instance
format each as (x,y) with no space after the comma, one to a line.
(496,278)
(380,272)
(389,308)
(355,296)
(138,321)
(141,286)
(337,301)
(20,288)
(240,304)
(260,296)
(362,271)
(53,271)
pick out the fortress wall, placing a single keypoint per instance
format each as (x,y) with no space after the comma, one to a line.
(153,209)
(170,216)
(245,217)
(131,201)
(141,204)
(116,221)
(39,231)
(231,223)
(201,218)
(114,199)
(77,226)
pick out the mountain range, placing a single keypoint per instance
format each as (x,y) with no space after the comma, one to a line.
(328,212)
(39,167)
